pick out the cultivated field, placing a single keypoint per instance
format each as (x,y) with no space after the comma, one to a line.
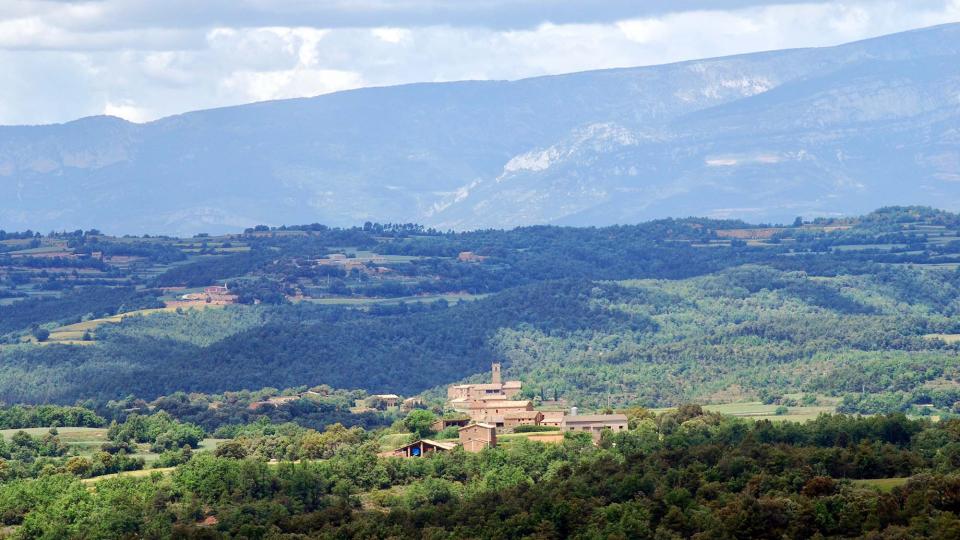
(756,410)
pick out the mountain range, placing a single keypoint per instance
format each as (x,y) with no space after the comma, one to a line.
(763,137)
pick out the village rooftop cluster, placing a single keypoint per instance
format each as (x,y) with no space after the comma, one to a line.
(487,409)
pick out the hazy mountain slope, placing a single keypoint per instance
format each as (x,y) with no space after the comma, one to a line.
(761,136)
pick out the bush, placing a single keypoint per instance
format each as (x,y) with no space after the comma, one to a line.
(172,458)
(419,422)
(534,429)
(451,432)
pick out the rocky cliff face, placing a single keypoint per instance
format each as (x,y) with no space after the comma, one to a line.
(765,136)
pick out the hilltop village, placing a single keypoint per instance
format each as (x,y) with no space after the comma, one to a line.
(481,411)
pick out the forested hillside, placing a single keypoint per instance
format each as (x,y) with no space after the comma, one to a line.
(861,309)
(683,474)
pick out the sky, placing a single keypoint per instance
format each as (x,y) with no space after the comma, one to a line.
(145,59)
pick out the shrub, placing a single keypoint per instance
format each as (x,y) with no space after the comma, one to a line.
(534,429)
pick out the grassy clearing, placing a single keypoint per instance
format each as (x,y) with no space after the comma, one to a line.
(756,410)
(162,470)
(948,338)
(70,435)
(74,332)
(134,474)
(377,499)
(759,411)
(86,441)
(393,440)
(885,485)
(58,249)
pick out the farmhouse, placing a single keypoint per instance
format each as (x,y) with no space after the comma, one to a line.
(411,403)
(476,437)
(387,400)
(276,401)
(594,423)
(471,257)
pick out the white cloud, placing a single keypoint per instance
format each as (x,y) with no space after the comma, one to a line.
(126,110)
(392,35)
(290,83)
(134,59)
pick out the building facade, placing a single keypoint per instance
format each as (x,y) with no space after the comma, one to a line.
(476,437)
(595,423)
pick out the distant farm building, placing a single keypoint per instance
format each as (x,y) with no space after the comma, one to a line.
(275,401)
(369,265)
(217,295)
(471,257)
(386,400)
(411,403)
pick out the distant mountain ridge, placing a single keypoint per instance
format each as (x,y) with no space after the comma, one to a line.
(763,137)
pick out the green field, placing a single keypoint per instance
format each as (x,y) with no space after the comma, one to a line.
(885,485)
(393,440)
(759,411)
(948,338)
(73,333)
(87,440)
(135,474)
(70,435)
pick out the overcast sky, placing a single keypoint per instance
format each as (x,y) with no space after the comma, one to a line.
(144,59)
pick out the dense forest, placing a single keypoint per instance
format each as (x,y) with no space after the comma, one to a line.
(647,342)
(862,310)
(682,474)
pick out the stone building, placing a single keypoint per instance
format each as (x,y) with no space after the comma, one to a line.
(460,394)
(476,437)
(594,423)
